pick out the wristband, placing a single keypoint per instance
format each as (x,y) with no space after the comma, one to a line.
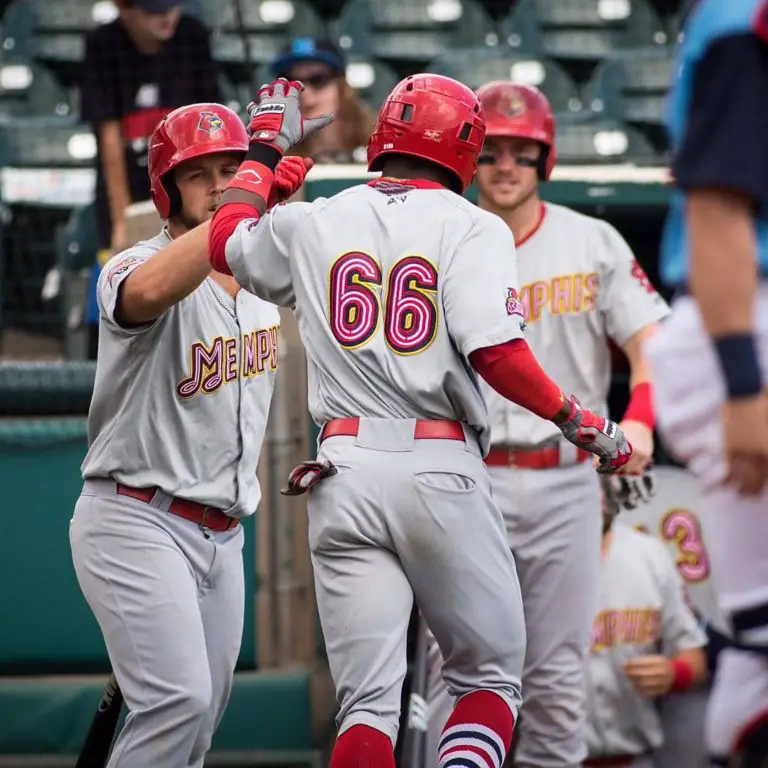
(254,178)
(640,406)
(737,354)
(682,676)
(265,154)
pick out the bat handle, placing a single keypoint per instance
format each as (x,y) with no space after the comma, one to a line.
(111,689)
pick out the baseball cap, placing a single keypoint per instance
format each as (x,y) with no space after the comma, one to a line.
(156,6)
(307,49)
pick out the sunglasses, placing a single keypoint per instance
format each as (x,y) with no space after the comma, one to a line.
(315,82)
(522,160)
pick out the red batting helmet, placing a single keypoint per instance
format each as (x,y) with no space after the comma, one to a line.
(523,112)
(187,132)
(434,118)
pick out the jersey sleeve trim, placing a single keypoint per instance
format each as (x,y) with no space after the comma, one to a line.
(110,285)
(501,336)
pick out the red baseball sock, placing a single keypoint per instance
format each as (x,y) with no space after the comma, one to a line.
(363,747)
(478,733)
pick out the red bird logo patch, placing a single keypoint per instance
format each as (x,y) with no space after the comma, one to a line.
(514,305)
(210,123)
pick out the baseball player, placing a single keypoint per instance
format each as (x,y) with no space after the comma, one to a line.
(184,378)
(581,286)
(646,642)
(673,517)
(402,289)
(710,359)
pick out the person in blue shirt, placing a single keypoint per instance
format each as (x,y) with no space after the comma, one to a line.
(710,358)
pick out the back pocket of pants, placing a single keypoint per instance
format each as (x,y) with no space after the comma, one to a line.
(450,482)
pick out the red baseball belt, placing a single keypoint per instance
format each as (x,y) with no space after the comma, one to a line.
(206,517)
(531,458)
(425,429)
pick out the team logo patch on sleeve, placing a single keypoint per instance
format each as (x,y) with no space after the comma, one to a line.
(121,268)
(514,305)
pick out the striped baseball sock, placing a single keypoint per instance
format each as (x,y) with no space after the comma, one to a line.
(478,733)
(362,747)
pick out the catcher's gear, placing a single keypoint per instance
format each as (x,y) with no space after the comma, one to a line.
(289,176)
(630,490)
(434,118)
(187,132)
(522,112)
(276,117)
(598,435)
(307,475)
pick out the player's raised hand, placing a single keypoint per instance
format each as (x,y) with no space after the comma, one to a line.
(641,438)
(597,435)
(289,176)
(650,676)
(276,116)
(745,436)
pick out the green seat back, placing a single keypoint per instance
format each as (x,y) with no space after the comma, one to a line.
(476,66)
(632,85)
(413,30)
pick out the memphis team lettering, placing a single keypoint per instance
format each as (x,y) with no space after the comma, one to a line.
(227,359)
(634,626)
(562,295)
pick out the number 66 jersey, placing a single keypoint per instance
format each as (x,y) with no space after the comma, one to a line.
(395,283)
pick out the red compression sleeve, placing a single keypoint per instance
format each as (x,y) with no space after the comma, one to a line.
(224,223)
(513,371)
(640,406)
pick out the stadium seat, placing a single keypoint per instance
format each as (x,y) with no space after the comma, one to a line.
(603,142)
(40,142)
(76,242)
(263,16)
(580,33)
(632,86)
(28,89)
(372,79)
(328,10)
(53,31)
(409,33)
(668,9)
(476,66)
(267,24)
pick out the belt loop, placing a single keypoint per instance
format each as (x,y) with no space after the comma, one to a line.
(161,500)
(471,440)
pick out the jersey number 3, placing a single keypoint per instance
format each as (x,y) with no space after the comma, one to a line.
(680,526)
(408,308)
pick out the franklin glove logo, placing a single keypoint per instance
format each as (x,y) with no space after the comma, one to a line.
(269,109)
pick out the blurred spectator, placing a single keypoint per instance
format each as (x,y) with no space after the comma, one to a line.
(137,69)
(320,66)
(646,644)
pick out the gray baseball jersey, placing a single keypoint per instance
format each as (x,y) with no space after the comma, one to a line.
(672,516)
(580,285)
(389,307)
(642,611)
(181,403)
